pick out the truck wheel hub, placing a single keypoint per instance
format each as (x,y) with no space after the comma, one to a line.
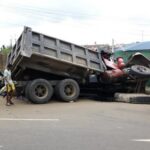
(69,90)
(40,91)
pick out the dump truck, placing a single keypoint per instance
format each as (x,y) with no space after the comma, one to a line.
(43,66)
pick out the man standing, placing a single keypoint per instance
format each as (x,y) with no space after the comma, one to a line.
(10,88)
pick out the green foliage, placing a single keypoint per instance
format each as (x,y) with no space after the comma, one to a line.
(5,49)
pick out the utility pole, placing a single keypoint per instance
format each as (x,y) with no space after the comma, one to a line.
(112,49)
(142,35)
(11,43)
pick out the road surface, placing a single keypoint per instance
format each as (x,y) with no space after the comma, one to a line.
(83,125)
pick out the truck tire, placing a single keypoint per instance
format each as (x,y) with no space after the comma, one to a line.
(26,91)
(39,91)
(67,90)
(140,71)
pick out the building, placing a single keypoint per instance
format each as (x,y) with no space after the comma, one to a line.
(127,50)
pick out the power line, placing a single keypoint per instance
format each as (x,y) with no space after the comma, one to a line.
(45,11)
(35,13)
(53,15)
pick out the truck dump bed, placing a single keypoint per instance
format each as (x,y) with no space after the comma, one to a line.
(40,52)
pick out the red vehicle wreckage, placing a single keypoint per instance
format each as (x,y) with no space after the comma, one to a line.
(137,66)
(129,77)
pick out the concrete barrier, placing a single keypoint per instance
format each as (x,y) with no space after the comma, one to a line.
(132,98)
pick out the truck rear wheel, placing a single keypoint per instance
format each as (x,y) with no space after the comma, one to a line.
(27,90)
(67,90)
(39,91)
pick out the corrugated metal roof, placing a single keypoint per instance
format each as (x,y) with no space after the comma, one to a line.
(135,46)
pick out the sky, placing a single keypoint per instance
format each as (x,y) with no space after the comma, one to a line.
(79,21)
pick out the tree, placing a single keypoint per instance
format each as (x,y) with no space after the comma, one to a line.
(5,49)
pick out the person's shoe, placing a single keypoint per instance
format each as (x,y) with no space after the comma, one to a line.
(8,104)
(11,103)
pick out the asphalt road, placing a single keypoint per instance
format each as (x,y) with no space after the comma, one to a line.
(83,125)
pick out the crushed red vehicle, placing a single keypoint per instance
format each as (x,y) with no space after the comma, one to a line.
(137,66)
(129,77)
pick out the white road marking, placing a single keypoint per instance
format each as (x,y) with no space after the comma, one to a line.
(1,147)
(25,119)
(141,140)
(120,127)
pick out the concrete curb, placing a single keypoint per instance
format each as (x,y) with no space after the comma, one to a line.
(132,98)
